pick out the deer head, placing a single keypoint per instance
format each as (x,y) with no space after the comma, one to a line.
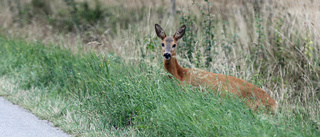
(169,44)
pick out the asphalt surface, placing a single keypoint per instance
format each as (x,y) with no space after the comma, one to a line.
(18,122)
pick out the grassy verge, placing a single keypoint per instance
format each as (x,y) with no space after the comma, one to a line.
(90,94)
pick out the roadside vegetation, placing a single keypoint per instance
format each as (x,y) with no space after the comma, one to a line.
(95,68)
(98,94)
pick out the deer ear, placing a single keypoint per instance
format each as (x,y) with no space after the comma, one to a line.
(160,31)
(180,32)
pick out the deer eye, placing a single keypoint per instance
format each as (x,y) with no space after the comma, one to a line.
(162,45)
(174,45)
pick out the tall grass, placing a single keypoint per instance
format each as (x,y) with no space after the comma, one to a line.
(108,97)
(272,44)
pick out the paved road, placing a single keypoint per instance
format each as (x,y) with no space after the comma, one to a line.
(18,122)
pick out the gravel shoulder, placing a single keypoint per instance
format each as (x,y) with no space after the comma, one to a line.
(18,122)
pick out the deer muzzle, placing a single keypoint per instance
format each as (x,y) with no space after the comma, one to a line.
(167,56)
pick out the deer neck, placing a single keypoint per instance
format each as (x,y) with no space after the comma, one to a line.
(174,68)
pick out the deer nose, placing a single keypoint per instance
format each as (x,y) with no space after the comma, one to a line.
(167,56)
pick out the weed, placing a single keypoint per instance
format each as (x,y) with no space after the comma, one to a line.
(272,45)
(103,91)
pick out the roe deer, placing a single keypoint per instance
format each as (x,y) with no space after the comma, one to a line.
(254,96)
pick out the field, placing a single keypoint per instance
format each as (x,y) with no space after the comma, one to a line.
(95,68)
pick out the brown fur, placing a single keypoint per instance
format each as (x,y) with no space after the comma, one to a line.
(254,96)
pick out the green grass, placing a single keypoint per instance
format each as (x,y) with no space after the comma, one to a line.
(89,94)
